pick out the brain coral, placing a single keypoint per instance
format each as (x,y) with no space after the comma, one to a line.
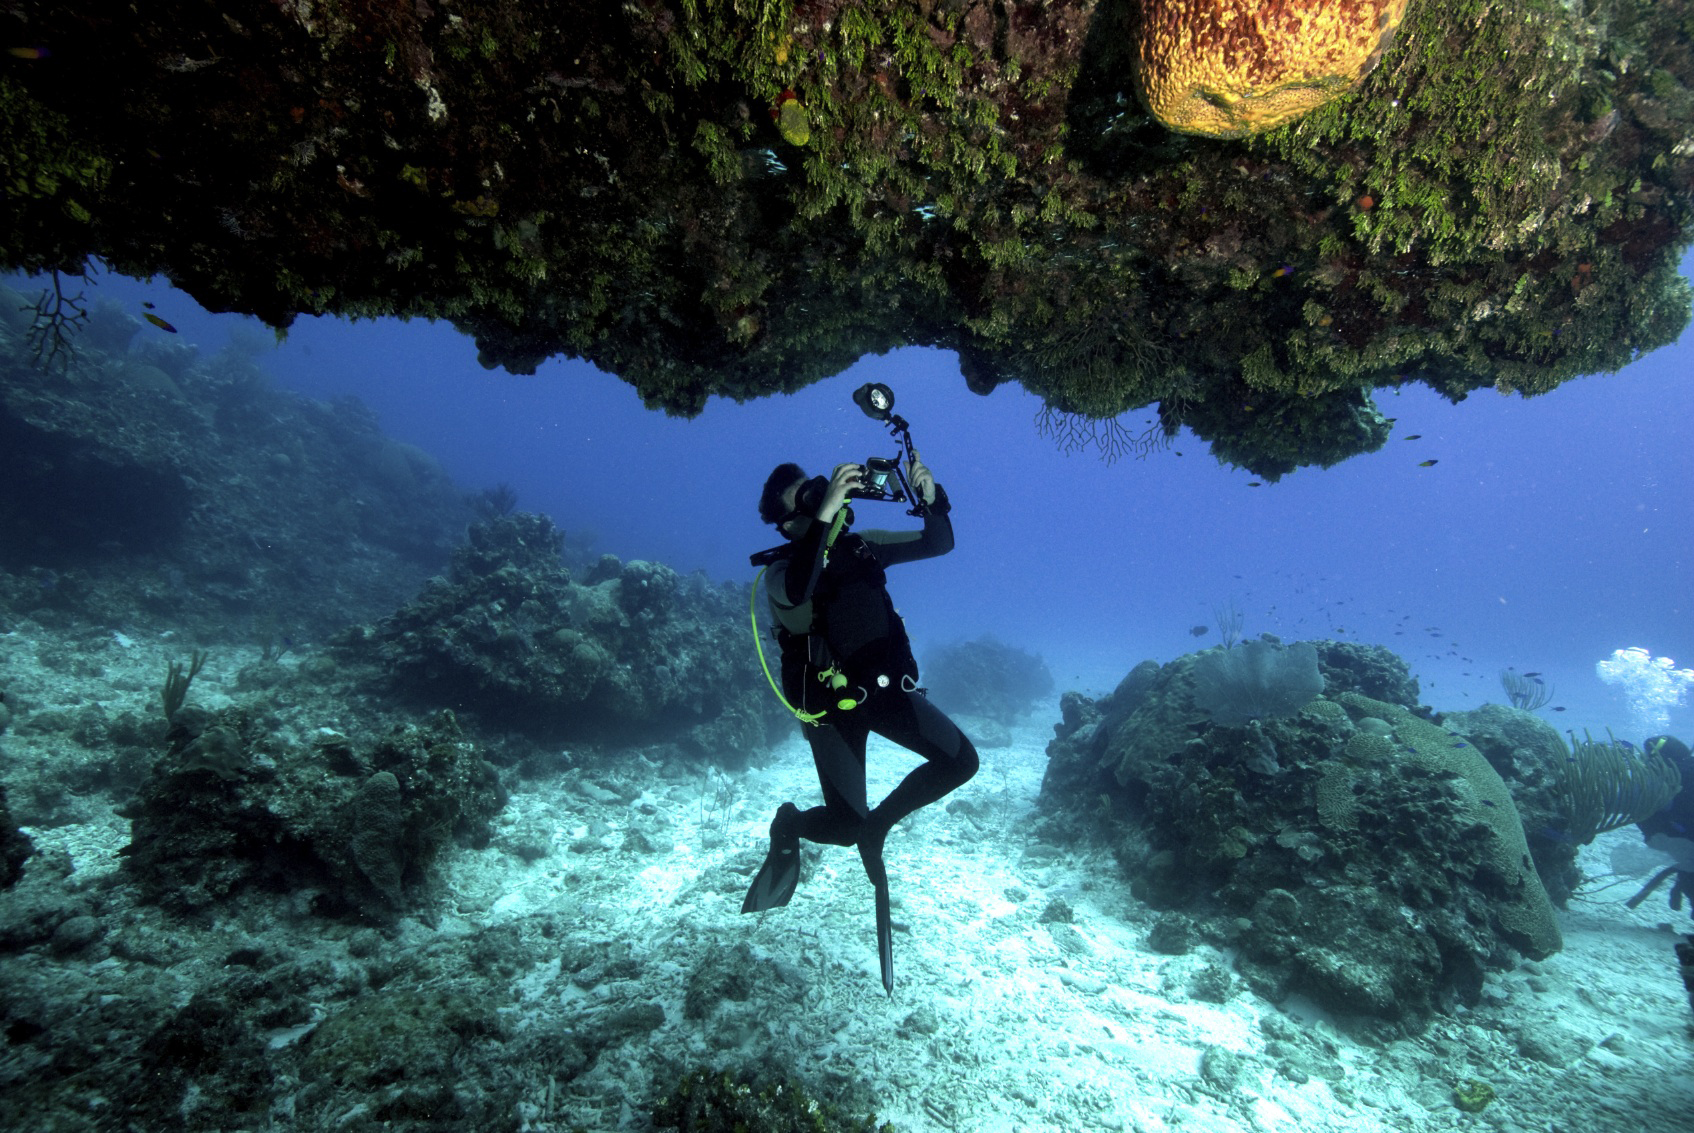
(1226,68)
(1524,911)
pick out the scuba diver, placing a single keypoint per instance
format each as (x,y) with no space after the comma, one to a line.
(1670,829)
(848,670)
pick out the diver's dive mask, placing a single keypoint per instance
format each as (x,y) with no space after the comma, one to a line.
(807,499)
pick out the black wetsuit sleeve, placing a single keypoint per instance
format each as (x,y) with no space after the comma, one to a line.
(936,537)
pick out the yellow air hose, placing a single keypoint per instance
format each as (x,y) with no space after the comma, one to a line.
(835,679)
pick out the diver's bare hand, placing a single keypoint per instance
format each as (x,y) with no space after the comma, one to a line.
(922,480)
(845,478)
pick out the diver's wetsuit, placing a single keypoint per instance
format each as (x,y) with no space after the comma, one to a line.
(1671,828)
(839,612)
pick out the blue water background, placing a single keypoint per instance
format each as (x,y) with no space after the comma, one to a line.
(1550,532)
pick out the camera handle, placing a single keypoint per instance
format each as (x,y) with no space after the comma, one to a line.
(877,400)
(903,433)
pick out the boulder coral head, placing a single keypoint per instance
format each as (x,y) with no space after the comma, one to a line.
(1228,68)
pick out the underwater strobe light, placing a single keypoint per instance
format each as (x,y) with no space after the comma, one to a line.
(876,399)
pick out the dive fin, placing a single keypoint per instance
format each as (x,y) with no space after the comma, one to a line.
(774,884)
(870,853)
(885,939)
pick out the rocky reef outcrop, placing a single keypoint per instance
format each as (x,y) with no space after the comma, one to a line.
(149,485)
(632,652)
(740,199)
(1531,757)
(238,805)
(986,678)
(15,846)
(1350,848)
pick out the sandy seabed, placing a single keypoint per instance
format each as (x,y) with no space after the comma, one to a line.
(1002,1017)
(1003,1021)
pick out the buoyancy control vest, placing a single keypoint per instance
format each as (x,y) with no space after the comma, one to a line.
(855,630)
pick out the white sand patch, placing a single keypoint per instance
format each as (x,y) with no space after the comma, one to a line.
(998,1022)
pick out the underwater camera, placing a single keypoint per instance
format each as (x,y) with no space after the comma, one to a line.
(885,477)
(877,471)
(875,479)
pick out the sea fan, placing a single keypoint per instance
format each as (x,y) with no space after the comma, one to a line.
(1256,680)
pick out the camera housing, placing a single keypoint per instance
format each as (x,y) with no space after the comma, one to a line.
(884,477)
(875,482)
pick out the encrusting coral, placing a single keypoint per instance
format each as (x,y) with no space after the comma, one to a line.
(1229,68)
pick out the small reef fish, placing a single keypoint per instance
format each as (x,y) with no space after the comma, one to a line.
(148,303)
(1414,437)
(1198,631)
(28,52)
(1367,202)
(1428,463)
(1255,483)
(158,322)
(1285,269)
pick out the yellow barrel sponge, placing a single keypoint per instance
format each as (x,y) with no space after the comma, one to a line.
(1228,68)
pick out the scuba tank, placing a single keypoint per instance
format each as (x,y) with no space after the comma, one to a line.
(833,679)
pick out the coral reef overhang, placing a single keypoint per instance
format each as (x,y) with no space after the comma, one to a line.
(1501,202)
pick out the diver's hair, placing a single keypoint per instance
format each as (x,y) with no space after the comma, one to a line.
(781,479)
